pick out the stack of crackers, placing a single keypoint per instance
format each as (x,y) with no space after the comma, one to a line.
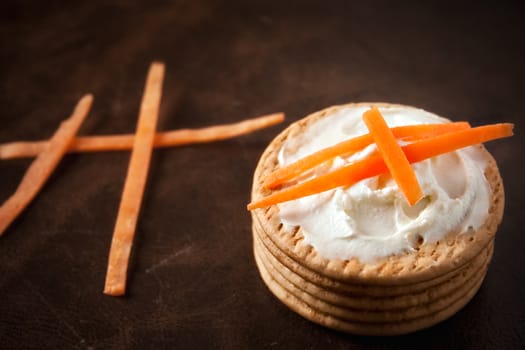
(395,295)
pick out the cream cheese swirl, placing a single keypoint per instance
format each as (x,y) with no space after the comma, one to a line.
(371,219)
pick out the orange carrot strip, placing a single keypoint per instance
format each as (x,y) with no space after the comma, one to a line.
(416,132)
(375,165)
(217,132)
(395,159)
(179,137)
(135,182)
(431,147)
(407,132)
(42,167)
(344,176)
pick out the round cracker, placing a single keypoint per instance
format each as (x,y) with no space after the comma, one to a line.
(395,295)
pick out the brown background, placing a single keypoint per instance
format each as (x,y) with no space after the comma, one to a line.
(193,282)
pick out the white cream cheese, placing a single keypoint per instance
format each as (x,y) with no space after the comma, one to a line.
(372,219)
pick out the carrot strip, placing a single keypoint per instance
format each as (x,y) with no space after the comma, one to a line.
(375,165)
(217,132)
(171,138)
(393,155)
(42,167)
(449,142)
(416,132)
(344,176)
(348,147)
(135,183)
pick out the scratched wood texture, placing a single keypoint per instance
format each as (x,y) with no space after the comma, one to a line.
(193,283)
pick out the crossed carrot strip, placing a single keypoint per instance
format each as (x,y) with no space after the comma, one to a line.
(428,141)
(49,153)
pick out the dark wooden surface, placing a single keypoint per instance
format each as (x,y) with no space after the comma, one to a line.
(193,283)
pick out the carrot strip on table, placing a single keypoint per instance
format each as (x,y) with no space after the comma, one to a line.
(42,167)
(171,138)
(393,155)
(134,185)
(348,147)
(375,165)
(217,132)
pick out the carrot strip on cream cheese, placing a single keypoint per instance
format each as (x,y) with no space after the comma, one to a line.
(375,165)
(393,155)
(348,147)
